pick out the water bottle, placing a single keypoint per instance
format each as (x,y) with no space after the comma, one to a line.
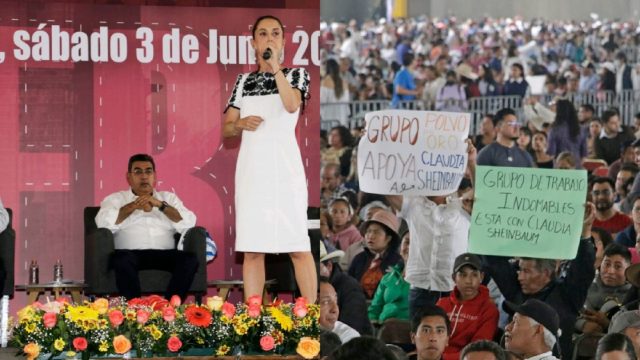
(57,271)
(34,273)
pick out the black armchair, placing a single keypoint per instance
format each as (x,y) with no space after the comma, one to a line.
(7,255)
(100,278)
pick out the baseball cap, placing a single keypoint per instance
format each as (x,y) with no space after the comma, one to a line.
(538,311)
(472,260)
(624,319)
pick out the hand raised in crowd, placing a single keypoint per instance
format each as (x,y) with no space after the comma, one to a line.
(589,217)
(472,152)
(249,123)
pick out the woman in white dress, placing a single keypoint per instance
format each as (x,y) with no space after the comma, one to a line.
(270,185)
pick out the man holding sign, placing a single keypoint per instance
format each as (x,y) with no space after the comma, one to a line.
(418,159)
(535,214)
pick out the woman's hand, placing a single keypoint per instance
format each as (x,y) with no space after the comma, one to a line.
(273,63)
(249,123)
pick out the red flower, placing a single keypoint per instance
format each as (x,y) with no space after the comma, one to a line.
(49,320)
(116,318)
(228,310)
(168,314)
(253,311)
(142,316)
(80,344)
(300,310)
(267,343)
(254,300)
(198,316)
(174,344)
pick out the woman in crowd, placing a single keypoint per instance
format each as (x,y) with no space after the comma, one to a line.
(391,299)
(565,133)
(334,95)
(343,231)
(540,155)
(339,150)
(381,243)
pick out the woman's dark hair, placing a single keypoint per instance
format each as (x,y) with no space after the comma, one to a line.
(541,133)
(345,135)
(566,114)
(255,25)
(605,236)
(615,342)
(519,66)
(333,71)
(488,75)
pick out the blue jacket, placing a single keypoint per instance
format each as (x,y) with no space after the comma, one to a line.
(627,237)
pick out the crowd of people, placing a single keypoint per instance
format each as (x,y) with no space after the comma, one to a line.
(396,277)
(446,62)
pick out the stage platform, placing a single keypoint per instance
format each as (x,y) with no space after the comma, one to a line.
(10,353)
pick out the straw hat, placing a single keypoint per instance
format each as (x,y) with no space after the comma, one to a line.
(386,219)
(465,71)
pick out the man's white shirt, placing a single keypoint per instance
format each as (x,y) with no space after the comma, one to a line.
(143,230)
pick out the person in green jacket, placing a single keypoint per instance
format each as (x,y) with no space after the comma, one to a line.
(391,299)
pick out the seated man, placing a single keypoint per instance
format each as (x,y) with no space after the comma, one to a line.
(536,278)
(628,323)
(143,222)
(607,291)
(329,312)
(473,315)
(533,332)
(4,223)
(350,294)
(430,329)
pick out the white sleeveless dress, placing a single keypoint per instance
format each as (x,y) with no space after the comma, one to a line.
(271,194)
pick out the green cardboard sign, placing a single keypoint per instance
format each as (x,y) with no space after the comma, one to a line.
(527,212)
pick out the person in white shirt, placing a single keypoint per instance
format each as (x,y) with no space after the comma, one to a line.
(329,312)
(441,227)
(144,222)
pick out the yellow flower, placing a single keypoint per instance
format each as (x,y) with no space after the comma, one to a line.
(70,354)
(26,314)
(215,303)
(30,327)
(101,305)
(103,323)
(156,334)
(308,348)
(240,329)
(281,318)
(200,341)
(59,344)
(104,346)
(222,350)
(81,313)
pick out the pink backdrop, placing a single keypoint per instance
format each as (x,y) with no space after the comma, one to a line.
(67,129)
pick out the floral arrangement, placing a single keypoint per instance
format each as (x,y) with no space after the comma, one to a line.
(153,326)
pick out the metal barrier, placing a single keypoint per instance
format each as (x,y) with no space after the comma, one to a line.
(627,102)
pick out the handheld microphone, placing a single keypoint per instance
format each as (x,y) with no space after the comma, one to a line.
(266,55)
